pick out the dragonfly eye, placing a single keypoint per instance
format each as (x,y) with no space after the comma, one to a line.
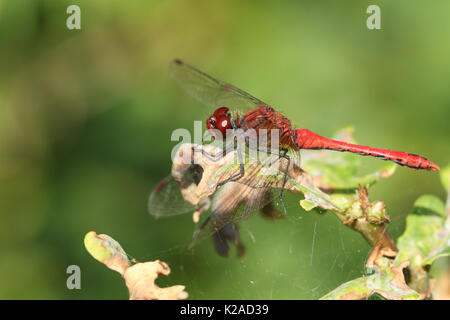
(211,123)
(220,123)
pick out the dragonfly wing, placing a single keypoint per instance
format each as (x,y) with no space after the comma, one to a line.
(231,203)
(210,91)
(266,169)
(295,158)
(166,200)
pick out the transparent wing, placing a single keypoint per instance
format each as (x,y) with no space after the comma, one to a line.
(231,203)
(270,171)
(210,91)
(166,200)
(263,169)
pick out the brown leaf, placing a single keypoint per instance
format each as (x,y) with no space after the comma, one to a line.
(399,278)
(140,280)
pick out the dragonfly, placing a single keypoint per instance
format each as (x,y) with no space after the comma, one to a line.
(235,109)
(255,114)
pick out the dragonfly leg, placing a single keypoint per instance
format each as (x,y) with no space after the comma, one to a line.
(284,155)
(234,177)
(238,175)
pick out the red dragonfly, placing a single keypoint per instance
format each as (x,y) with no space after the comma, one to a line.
(252,113)
(236,109)
(258,115)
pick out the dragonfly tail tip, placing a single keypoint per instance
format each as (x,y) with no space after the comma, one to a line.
(434,167)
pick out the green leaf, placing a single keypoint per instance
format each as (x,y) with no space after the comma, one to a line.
(442,252)
(314,196)
(343,200)
(307,205)
(389,283)
(429,205)
(356,289)
(425,236)
(106,250)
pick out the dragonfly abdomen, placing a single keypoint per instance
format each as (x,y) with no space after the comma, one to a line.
(305,139)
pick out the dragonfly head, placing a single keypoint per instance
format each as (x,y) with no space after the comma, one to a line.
(220,121)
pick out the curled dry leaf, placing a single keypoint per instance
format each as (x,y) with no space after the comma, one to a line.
(139,278)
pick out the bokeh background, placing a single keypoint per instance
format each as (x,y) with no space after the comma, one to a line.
(86,118)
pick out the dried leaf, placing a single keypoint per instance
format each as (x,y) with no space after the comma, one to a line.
(139,278)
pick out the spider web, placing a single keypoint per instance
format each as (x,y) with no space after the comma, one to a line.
(303,255)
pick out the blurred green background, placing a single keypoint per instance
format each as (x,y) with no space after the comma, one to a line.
(86,118)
